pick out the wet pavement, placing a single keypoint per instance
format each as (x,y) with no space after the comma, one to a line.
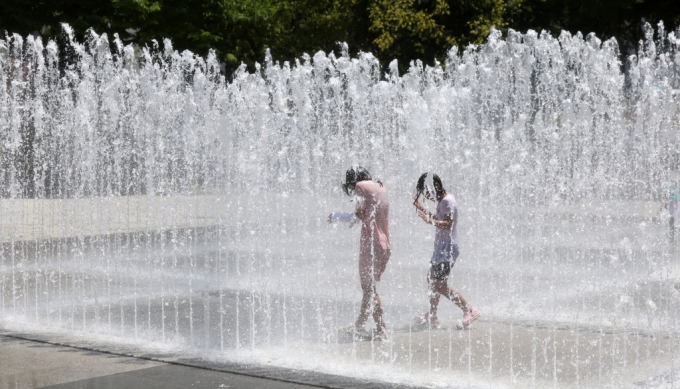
(489,354)
(209,307)
(28,363)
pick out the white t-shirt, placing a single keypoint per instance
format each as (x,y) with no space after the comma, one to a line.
(445,239)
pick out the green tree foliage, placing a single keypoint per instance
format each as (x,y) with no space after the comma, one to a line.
(241,30)
(426,29)
(301,26)
(622,19)
(406,28)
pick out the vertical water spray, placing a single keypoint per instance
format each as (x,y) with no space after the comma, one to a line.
(144,196)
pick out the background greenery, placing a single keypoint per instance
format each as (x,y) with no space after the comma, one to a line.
(241,30)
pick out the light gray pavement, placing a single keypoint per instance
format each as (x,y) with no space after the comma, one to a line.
(594,225)
(27,364)
(37,219)
(514,354)
(519,354)
(31,364)
(30,361)
(176,377)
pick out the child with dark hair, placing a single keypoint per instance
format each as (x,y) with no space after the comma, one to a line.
(445,250)
(372,210)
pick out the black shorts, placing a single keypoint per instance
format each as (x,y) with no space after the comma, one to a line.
(441,271)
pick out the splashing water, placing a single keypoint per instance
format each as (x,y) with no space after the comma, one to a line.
(146,199)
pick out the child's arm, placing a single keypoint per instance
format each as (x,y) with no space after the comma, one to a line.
(343,217)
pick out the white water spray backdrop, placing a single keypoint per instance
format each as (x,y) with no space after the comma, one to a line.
(145,198)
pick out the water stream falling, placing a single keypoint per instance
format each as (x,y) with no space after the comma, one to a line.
(145,199)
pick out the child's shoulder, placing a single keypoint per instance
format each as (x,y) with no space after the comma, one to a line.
(449,200)
(367,186)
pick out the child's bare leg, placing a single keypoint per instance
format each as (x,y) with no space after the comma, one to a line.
(369,294)
(457,298)
(365,308)
(434,291)
(378,313)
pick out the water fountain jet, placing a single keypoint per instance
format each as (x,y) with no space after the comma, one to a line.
(164,205)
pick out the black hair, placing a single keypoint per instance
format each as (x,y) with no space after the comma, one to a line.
(353,175)
(437,180)
(420,185)
(421,182)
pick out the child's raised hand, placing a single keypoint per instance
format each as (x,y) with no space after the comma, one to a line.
(425,218)
(418,203)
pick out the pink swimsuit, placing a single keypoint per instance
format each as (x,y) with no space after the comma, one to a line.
(375,234)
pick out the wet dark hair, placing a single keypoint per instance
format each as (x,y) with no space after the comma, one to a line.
(421,182)
(435,180)
(353,175)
